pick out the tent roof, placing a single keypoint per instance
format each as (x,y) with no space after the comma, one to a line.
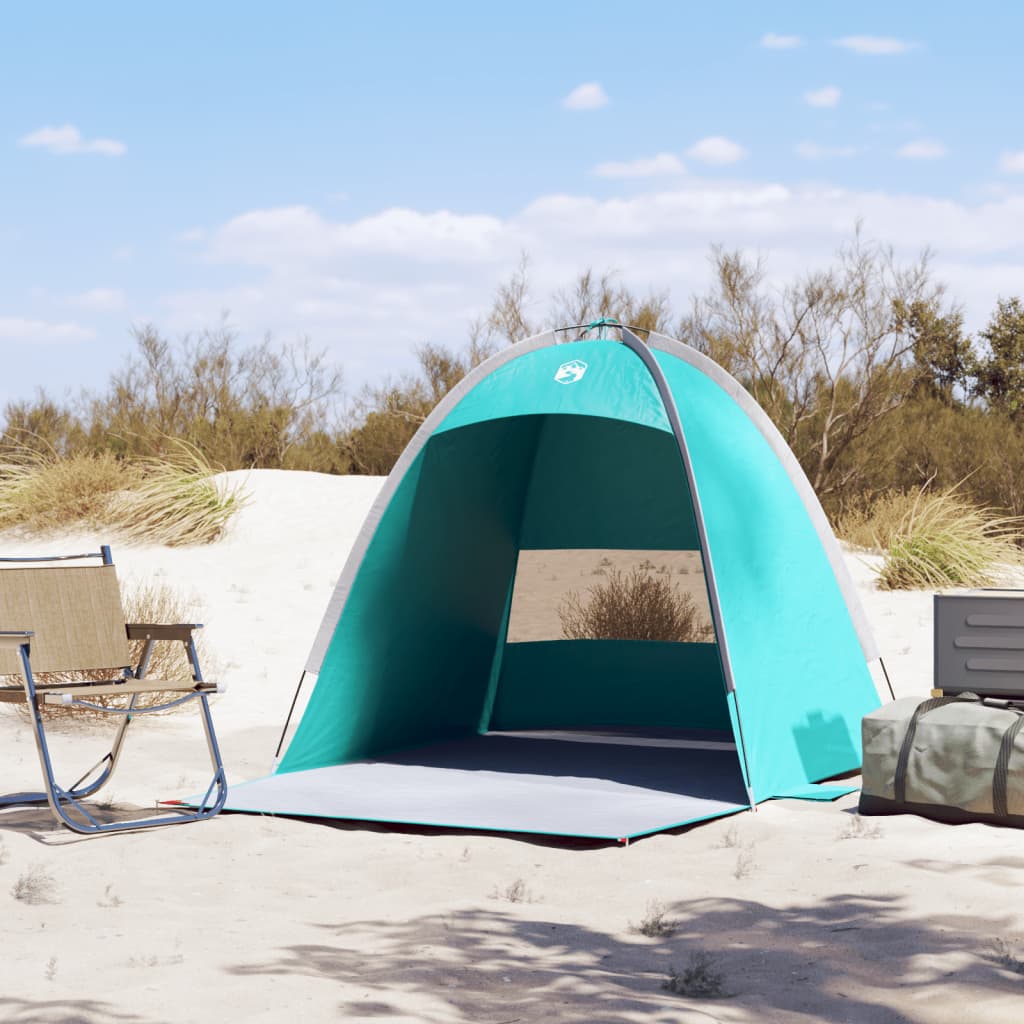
(636,402)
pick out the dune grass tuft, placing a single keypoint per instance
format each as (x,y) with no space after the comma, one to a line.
(42,493)
(178,500)
(175,499)
(934,539)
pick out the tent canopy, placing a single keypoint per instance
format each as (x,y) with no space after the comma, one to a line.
(552,475)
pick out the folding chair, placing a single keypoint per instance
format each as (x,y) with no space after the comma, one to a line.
(68,619)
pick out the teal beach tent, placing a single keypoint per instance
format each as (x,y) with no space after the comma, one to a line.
(455,684)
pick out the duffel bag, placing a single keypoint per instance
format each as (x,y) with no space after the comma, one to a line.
(954,759)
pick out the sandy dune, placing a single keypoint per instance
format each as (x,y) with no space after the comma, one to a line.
(813,915)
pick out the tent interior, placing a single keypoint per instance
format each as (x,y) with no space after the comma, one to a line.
(457,691)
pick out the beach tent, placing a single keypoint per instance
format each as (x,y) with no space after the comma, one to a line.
(450,689)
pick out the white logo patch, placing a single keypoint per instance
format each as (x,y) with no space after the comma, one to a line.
(571,372)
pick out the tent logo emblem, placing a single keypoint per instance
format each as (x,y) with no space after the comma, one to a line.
(571,372)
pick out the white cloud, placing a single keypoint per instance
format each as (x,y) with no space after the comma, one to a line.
(588,96)
(717,150)
(827,96)
(774,41)
(369,289)
(261,237)
(875,46)
(644,167)
(67,140)
(922,149)
(100,300)
(815,151)
(190,235)
(42,332)
(1012,163)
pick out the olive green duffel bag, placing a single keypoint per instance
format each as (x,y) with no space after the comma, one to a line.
(954,759)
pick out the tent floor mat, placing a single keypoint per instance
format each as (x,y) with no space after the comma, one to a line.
(608,784)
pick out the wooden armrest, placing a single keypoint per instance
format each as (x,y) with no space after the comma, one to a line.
(161,631)
(13,638)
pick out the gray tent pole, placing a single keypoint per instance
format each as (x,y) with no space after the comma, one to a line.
(635,345)
(888,681)
(287,721)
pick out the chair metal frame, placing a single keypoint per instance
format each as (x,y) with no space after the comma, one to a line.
(131,684)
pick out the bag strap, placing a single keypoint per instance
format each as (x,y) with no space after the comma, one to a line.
(922,709)
(1000,784)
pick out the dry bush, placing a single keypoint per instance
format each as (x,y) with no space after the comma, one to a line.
(937,539)
(515,892)
(634,606)
(35,886)
(43,492)
(655,924)
(979,451)
(874,523)
(700,979)
(177,501)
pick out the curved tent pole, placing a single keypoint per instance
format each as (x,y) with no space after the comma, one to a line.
(638,348)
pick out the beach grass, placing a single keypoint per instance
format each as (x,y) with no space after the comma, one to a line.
(174,499)
(935,539)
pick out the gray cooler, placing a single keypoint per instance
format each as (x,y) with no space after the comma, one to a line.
(979,643)
(954,759)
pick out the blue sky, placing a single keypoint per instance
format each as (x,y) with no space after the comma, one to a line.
(365,175)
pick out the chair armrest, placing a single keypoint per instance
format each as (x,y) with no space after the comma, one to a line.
(161,631)
(10,638)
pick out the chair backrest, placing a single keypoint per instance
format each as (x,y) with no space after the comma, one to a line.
(75,612)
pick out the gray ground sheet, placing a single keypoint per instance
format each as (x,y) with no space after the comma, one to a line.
(595,784)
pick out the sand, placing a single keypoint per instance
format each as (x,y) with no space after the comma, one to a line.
(811,913)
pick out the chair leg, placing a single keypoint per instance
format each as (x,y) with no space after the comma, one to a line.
(63,801)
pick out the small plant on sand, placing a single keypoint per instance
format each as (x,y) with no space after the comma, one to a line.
(514,892)
(51,969)
(655,924)
(933,539)
(700,979)
(43,492)
(858,828)
(730,839)
(109,898)
(35,886)
(745,864)
(634,606)
(5,854)
(1004,955)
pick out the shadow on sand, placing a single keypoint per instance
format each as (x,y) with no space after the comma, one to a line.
(853,959)
(63,1011)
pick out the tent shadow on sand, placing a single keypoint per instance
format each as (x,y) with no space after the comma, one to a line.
(850,958)
(607,451)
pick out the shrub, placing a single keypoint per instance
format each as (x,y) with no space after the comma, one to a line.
(634,606)
(43,492)
(699,980)
(35,886)
(939,539)
(655,924)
